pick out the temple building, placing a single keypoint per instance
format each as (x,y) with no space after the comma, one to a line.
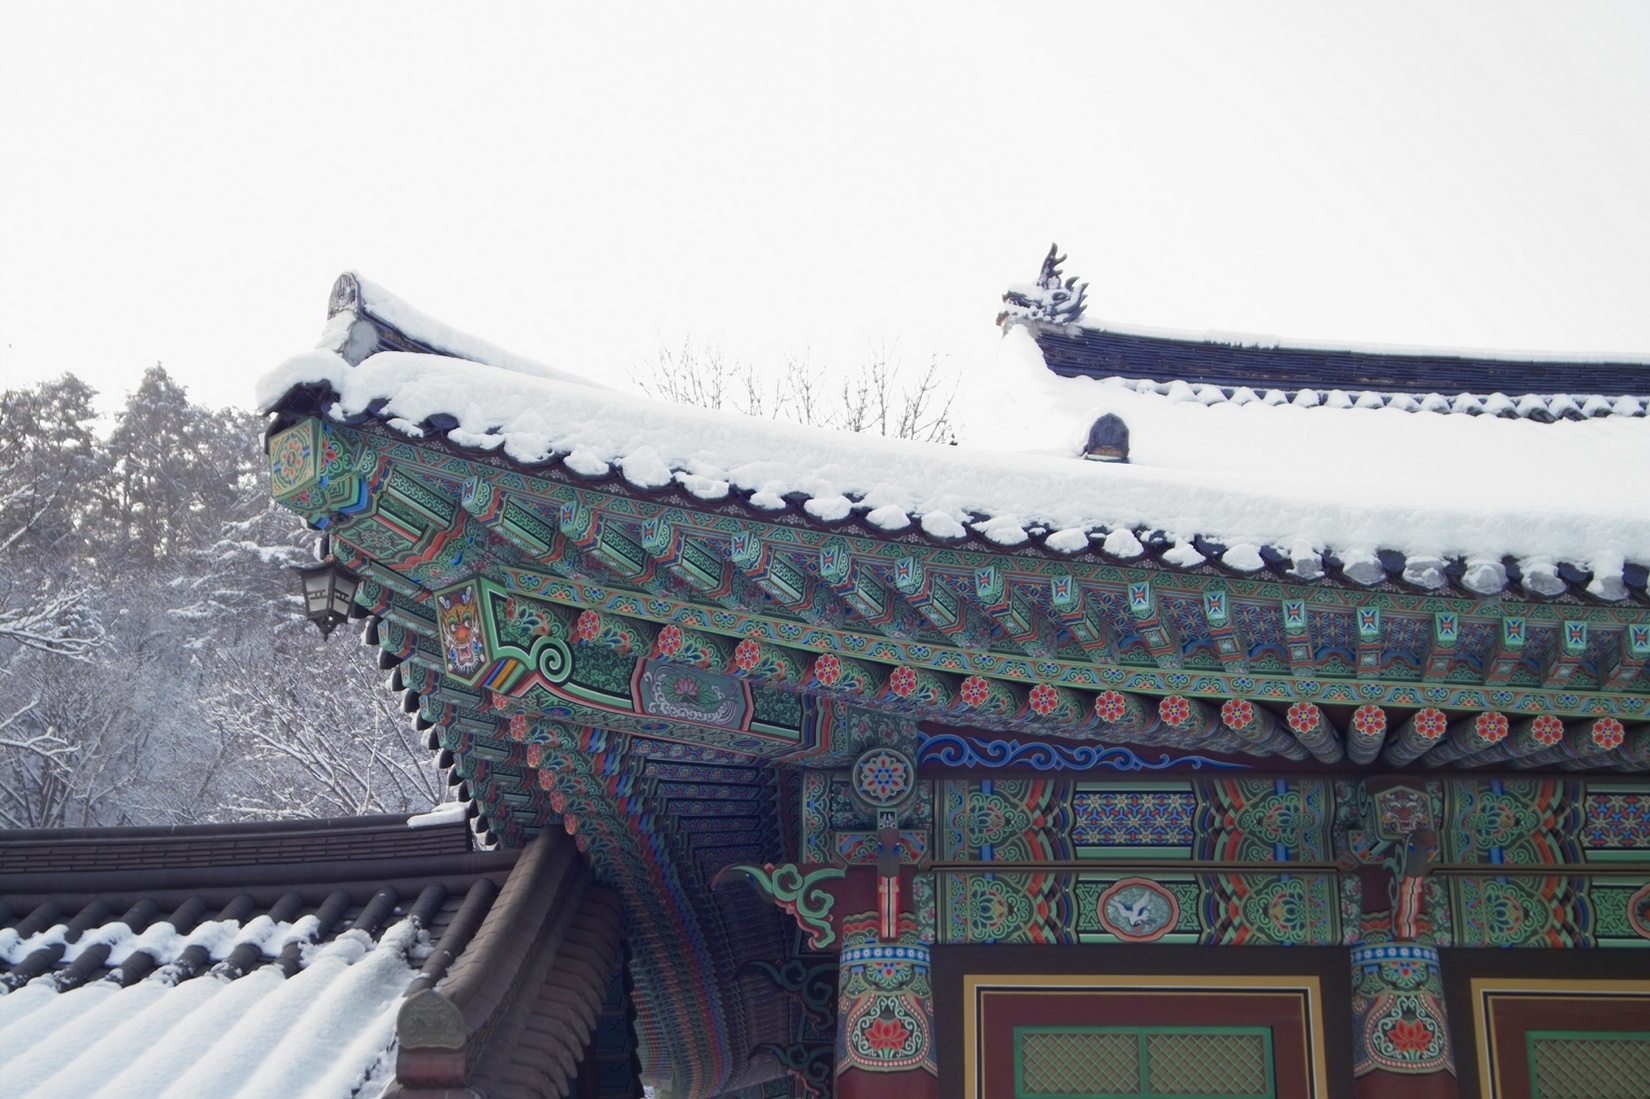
(1223,718)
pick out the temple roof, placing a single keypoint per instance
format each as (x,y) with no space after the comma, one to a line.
(1360,496)
(278,958)
(1542,386)
(667,631)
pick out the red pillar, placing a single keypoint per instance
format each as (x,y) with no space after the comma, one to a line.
(885,1006)
(1400,1034)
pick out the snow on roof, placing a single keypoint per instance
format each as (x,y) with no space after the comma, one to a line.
(323,1032)
(355,299)
(1540,385)
(1350,481)
(1094,322)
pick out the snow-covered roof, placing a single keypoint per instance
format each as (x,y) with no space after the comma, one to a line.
(261,959)
(1373,494)
(1543,386)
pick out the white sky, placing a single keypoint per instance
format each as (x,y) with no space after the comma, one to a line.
(582,183)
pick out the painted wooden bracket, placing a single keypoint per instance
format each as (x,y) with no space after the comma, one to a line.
(796,889)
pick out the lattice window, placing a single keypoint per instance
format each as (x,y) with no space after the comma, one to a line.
(1588,1065)
(1143,1063)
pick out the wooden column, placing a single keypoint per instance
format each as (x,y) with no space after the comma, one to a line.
(1401,1046)
(885,1006)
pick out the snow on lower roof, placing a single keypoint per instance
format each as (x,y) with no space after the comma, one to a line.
(322,1033)
(1349,481)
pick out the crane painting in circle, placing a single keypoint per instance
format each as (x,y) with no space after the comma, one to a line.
(1138,910)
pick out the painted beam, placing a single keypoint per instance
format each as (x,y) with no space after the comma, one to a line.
(857,585)
(1367,733)
(1559,665)
(1016,614)
(1072,606)
(1469,736)
(1155,629)
(1627,659)
(1504,659)
(1230,646)
(1297,632)
(1260,729)
(1371,645)
(1423,731)
(938,603)
(532,528)
(1316,733)
(781,579)
(1441,654)
(1529,736)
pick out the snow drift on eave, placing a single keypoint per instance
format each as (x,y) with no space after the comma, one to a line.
(324,1033)
(1352,481)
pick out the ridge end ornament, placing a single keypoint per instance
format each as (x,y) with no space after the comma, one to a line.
(1052,299)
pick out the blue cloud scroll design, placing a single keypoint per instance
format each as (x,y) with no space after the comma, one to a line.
(951,750)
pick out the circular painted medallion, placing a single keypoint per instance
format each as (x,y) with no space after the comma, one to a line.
(884,778)
(1638,911)
(1137,910)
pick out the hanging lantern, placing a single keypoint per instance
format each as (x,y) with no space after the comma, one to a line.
(329,591)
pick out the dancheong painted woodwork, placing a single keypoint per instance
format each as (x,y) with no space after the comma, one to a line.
(893,810)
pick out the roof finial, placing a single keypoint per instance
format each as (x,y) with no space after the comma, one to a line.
(1049,299)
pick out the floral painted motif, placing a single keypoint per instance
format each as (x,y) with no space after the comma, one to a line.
(1608,733)
(974,691)
(1284,908)
(884,778)
(1110,707)
(1175,710)
(992,909)
(1304,717)
(885,1009)
(1043,698)
(1430,724)
(1490,727)
(1369,720)
(669,642)
(1547,730)
(289,461)
(1399,1023)
(746,654)
(1237,713)
(827,669)
(903,681)
(587,627)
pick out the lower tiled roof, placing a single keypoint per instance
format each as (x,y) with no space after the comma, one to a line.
(280,958)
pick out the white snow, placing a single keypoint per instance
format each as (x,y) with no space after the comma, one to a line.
(1070,540)
(645,469)
(889,517)
(829,507)
(427,330)
(1260,473)
(451,813)
(1249,339)
(315,1035)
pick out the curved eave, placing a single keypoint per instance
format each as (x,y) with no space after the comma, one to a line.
(1140,547)
(1082,350)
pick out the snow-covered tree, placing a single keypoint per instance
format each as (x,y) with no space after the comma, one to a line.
(882,396)
(154,666)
